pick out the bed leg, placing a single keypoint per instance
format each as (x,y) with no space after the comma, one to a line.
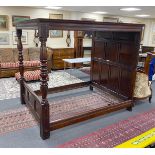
(22,90)
(44,113)
(129,108)
(21,65)
(150,98)
(91,87)
(44,122)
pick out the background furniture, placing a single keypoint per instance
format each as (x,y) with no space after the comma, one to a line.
(142,86)
(147,61)
(68,53)
(29,75)
(75,61)
(114,60)
(146,49)
(78,43)
(79,49)
(60,53)
(141,60)
(143,54)
(9,60)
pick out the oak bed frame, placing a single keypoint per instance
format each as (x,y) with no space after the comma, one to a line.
(113,68)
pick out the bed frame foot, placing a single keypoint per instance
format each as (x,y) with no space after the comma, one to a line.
(150,98)
(22,101)
(129,108)
(91,87)
(22,90)
(44,135)
(44,120)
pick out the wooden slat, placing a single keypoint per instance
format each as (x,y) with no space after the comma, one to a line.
(89,115)
(65,88)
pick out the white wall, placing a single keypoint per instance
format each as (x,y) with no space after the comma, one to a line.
(61,42)
(34,13)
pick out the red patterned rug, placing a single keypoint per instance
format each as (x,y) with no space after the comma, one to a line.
(115,134)
(21,118)
(17,119)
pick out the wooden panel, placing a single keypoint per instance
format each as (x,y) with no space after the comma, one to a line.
(95,69)
(128,54)
(115,57)
(105,74)
(114,78)
(126,84)
(99,49)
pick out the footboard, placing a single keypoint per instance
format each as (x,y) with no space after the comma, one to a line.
(39,110)
(32,101)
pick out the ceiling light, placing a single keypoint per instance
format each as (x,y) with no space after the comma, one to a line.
(142,15)
(53,7)
(100,12)
(130,9)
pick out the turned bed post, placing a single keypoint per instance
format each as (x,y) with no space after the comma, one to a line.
(44,117)
(21,65)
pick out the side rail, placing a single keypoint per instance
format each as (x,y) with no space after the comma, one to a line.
(65,88)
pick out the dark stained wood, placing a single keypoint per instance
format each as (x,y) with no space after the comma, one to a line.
(32,101)
(66,87)
(21,66)
(104,89)
(114,59)
(78,46)
(91,114)
(77,25)
(44,114)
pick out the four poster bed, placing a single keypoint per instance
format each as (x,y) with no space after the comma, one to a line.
(113,70)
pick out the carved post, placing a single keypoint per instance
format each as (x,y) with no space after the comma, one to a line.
(44,117)
(21,66)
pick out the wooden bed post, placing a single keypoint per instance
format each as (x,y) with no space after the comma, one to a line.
(44,117)
(21,66)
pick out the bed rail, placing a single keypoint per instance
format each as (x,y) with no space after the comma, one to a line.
(65,87)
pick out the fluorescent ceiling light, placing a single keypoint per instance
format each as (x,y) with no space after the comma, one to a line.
(53,7)
(142,15)
(100,12)
(130,9)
